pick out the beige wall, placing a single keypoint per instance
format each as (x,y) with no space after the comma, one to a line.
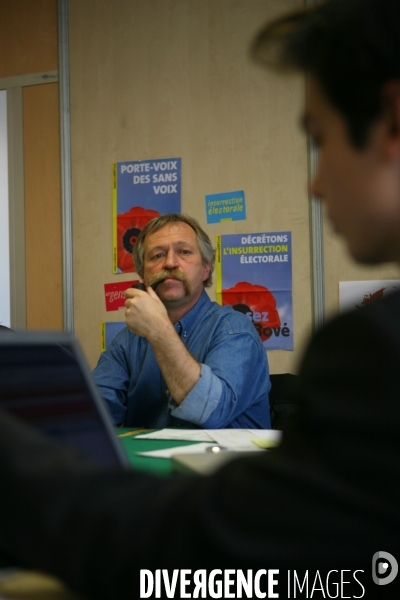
(171,78)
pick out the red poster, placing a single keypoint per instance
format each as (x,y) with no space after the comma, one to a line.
(114,294)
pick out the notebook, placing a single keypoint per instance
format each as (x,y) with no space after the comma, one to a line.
(45,381)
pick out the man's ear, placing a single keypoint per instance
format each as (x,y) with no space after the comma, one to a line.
(207,269)
(391,111)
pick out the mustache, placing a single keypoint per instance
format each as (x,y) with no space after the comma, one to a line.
(176,273)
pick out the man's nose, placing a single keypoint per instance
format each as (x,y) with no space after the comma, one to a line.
(170,260)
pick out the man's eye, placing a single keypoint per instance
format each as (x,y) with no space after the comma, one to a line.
(185,251)
(156,256)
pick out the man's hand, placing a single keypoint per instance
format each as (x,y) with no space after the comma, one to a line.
(145,313)
(147,316)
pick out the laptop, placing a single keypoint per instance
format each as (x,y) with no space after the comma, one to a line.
(45,381)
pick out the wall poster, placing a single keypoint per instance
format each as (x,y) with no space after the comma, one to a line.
(254,275)
(228,206)
(357,294)
(142,190)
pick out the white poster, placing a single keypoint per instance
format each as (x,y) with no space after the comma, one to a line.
(357,294)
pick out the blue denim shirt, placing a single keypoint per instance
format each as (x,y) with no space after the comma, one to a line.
(231,392)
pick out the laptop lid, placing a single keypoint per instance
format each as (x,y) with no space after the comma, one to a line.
(45,380)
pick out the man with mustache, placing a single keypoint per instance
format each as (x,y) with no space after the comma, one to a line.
(182,358)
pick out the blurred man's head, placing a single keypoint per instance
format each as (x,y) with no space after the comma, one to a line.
(350,50)
(351,47)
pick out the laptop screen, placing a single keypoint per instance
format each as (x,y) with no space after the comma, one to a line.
(45,381)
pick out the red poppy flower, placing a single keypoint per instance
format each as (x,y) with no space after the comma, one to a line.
(257,302)
(129,225)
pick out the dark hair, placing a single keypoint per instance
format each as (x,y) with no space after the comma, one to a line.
(203,241)
(351,47)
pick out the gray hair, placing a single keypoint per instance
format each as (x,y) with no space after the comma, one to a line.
(203,241)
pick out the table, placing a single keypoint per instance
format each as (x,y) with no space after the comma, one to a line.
(133,445)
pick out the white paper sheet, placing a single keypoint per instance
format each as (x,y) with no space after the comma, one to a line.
(231,438)
(190,435)
(236,439)
(168,452)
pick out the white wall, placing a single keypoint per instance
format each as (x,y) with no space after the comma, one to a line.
(4,221)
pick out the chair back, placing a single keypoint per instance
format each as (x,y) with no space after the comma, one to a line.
(282,399)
